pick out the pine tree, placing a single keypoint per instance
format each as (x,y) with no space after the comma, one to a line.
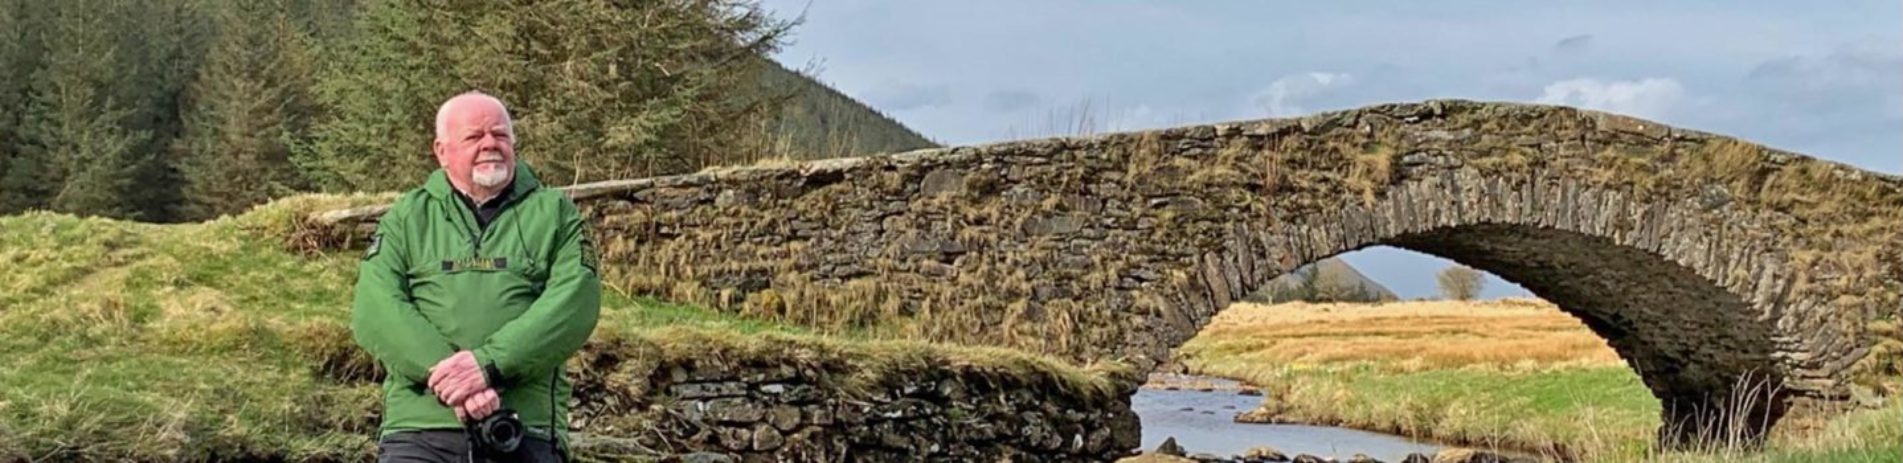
(325,21)
(619,91)
(377,95)
(21,185)
(248,107)
(598,90)
(163,42)
(73,124)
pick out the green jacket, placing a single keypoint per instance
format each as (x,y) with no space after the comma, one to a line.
(522,294)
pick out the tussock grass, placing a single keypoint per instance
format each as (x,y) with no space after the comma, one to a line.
(1516,374)
(222,340)
(1861,436)
(157,342)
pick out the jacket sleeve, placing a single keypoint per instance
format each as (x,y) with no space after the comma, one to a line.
(383,319)
(560,320)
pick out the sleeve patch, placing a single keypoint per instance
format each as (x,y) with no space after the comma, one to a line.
(590,258)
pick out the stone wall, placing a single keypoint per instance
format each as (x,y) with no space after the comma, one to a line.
(792,400)
(1705,261)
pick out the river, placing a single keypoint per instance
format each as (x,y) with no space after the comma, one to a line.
(1203,422)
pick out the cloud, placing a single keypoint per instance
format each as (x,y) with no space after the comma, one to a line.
(1844,104)
(1857,79)
(1573,45)
(1283,97)
(906,96)
(1648,98)
(1010,100)
(1480,51)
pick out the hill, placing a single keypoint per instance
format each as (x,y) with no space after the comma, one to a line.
(1335,280)
(817,121)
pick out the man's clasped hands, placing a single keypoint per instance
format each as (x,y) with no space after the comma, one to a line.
(458,382)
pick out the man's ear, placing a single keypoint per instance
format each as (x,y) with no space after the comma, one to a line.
(436,148)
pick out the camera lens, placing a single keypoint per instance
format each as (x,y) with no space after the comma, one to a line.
(504,433)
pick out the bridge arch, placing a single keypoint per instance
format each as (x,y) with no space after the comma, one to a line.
(1693,306)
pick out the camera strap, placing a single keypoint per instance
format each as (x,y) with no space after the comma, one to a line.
(555,419)
(470,453)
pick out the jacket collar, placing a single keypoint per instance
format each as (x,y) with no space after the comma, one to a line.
(524,182)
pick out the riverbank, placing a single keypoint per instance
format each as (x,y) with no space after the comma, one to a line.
(1516,375)
(1198,415)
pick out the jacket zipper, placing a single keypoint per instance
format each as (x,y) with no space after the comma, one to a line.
(466,218)
(476,231)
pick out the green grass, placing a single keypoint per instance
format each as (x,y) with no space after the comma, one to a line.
(1586,413)
(122,340)
(1554,412)
(1568,407)
(211,341)
(1862,436)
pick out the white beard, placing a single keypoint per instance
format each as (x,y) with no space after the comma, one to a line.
(492,177)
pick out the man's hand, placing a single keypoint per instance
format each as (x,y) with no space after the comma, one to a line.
(480,405)
(457,378)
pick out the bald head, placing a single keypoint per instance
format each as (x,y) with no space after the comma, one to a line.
(475,144)
(465,102)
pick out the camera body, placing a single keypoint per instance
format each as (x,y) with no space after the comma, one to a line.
(497,434)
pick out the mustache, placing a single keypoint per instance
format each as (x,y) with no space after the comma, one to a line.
(489,156)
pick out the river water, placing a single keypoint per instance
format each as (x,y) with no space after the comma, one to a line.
(1203,422)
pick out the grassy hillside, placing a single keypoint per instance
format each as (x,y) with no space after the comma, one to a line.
(130,341)
(1332,275)
(820,122)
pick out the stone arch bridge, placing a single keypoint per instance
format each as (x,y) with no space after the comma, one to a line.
(1708,263)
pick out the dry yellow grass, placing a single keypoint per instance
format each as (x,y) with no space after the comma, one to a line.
(1515,373)
(1409,335)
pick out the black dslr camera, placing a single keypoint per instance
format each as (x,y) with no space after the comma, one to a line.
(497,434)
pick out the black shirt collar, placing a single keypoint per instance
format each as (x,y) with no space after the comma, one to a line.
(507,189)
(488,209)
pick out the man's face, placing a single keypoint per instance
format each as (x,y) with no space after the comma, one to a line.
(478,146)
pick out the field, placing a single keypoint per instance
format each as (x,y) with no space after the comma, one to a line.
(124,341)
(1516,374)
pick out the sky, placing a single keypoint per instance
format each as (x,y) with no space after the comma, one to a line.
(1826,82)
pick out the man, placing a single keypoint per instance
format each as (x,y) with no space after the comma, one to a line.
(475,290)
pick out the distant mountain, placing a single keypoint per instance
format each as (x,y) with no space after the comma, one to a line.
(819,122)
(1335,280)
